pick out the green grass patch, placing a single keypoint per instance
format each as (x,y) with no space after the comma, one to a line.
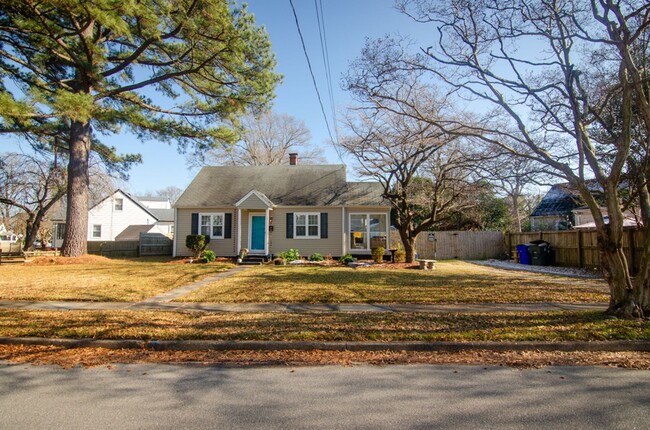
(451,282)
(383,327)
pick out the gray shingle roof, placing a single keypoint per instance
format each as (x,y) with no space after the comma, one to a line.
(164,215)
(151,198)
(562,198)
(321,185)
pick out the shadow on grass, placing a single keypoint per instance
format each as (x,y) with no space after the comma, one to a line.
(541,326)
(341,285)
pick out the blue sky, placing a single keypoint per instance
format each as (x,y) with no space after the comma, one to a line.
(348,23)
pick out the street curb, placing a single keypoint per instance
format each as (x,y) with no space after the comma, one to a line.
(206,345)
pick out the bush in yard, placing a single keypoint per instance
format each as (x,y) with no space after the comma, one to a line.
(316,257)
(347,258)
(209,255)
(196,242)
(400,255)
(290,255)
(378,254)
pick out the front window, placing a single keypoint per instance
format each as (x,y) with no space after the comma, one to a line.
(97,230)
(212,225)
(368,231)
(307,225)
(119,204)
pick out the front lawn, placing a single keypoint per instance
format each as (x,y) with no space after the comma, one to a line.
(99,279)
(336,326)
(451,282)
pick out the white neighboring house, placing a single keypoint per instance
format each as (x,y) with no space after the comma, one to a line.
(120,215)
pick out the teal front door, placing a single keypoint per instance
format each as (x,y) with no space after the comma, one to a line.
(258,232)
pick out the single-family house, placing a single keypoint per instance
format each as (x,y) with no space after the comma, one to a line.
(562,208)
(554,211)
(271,209)
(121,216)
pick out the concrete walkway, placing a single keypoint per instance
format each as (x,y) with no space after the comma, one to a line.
(189,288)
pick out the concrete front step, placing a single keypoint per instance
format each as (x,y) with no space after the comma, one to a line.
(252,260)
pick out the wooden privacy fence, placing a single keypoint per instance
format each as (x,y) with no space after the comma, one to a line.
(150,244)
(463,245)
(126,248)
(579,248)
(155,244)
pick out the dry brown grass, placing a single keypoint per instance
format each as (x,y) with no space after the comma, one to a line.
(58,261)
(451,282)
(97,278)
(335,326)
(90,357)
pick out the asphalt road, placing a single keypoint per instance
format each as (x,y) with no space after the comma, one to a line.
(192,397)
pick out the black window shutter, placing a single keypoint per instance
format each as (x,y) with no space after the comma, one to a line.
(227,227)
(195,223)
(290,225)
(323,225)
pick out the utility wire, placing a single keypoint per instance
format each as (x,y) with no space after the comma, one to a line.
(320,17)
(311,72)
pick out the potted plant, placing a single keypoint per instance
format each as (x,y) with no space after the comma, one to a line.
(242,254)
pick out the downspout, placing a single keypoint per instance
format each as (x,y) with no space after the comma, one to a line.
(175,232)
(238,231)
(343,230)
(267,233)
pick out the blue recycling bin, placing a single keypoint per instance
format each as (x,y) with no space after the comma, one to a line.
(524,255)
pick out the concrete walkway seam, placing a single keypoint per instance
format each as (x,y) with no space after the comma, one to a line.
(207,345)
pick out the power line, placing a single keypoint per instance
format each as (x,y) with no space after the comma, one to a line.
(313,78)
(320,17)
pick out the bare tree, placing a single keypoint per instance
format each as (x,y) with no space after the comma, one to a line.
(33,184)
(512,177)
(538,73)
(265,139)
(172,193)
(398,152)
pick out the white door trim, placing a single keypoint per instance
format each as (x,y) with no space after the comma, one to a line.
(250,233)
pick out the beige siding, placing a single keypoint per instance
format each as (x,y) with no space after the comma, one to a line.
(278,241)
(253,202)
(330,246)
(221,247)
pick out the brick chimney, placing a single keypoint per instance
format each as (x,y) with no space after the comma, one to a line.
(293,158)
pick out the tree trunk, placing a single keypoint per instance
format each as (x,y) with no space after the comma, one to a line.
(31,229)
(409,244)
(622,301)
(76,231)
(642,278)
